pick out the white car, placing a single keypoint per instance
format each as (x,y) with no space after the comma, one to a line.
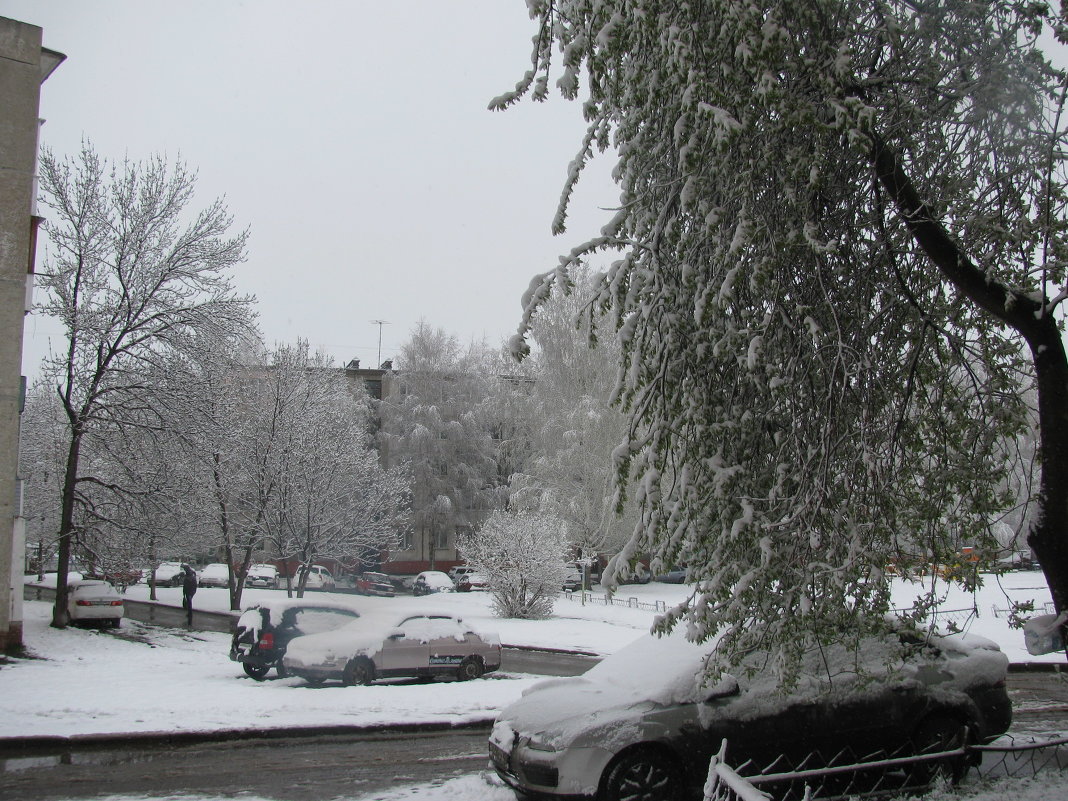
(319,578)
(391,645)
(459,571)
(169,574)
(265,576)
(431,581)
(94,601)
(216,574)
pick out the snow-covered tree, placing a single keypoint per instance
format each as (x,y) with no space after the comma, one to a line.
(523,557)
(331,497)
(435,421)
(42,435)
(841,230)
(129,274)
(573,425)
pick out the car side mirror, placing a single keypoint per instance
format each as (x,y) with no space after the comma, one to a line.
(727,687)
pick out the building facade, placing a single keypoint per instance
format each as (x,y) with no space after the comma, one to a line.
(24,66)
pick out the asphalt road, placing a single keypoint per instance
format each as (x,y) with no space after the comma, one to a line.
(293,769)
(347,765)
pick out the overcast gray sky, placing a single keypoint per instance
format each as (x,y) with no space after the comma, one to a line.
(351,136)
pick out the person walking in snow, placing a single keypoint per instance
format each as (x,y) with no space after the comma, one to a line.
(189,588)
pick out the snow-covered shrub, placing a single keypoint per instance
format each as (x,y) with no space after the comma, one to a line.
(523,557)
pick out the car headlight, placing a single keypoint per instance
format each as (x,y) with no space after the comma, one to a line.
(536,744)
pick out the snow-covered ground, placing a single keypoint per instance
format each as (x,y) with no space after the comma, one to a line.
(148,678)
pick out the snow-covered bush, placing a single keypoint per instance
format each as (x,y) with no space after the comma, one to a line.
(523,558)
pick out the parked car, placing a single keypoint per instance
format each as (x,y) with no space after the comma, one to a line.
(408,644)
(676,575)
(115,576)
(643,723)
(319,578)
(431,581)
(216,574)
(472,581)
(264,576)
(375,584)
(264,630)
(572,579)
(458,571)
(169,574)
(94,601)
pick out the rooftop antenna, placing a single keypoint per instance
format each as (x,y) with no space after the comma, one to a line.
(380,323)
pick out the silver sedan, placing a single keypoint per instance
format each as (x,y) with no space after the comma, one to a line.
(412,644)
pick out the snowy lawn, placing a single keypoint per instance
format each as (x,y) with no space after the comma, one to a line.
(160,679)
(602,629)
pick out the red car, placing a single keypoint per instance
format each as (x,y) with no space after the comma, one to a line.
(375,584)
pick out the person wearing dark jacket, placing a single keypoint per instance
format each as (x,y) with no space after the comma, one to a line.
(189,588)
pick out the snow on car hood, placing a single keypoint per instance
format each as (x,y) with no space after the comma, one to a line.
(670,670)
(650,671)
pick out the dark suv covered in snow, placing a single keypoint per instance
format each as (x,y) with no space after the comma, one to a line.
(264,630)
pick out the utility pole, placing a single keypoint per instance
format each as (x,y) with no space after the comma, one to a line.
(380,323)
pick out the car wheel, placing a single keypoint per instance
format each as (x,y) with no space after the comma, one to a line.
(470,668)
(936,734)
(358,671)
(643,775)
(257,672)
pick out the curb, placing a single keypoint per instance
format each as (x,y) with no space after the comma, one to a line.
(1038,667)
(20,746)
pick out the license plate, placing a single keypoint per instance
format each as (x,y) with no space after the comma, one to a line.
(498,756)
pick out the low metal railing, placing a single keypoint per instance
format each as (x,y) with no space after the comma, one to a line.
(586,597)
(884,777)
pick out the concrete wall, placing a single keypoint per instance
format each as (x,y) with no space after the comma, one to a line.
(21,74)
(155,613)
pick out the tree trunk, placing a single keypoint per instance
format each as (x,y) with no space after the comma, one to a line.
(1048,533)
(60,615)
(1033,320)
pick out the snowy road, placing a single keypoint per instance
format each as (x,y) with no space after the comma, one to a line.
(293,769)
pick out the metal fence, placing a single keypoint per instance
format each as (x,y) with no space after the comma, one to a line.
(586,597)
(886,777)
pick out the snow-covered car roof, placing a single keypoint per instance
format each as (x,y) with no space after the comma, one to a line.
(215,568)
(268,570)
(250,617)
(434,578)
(92,587)
(366,635)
